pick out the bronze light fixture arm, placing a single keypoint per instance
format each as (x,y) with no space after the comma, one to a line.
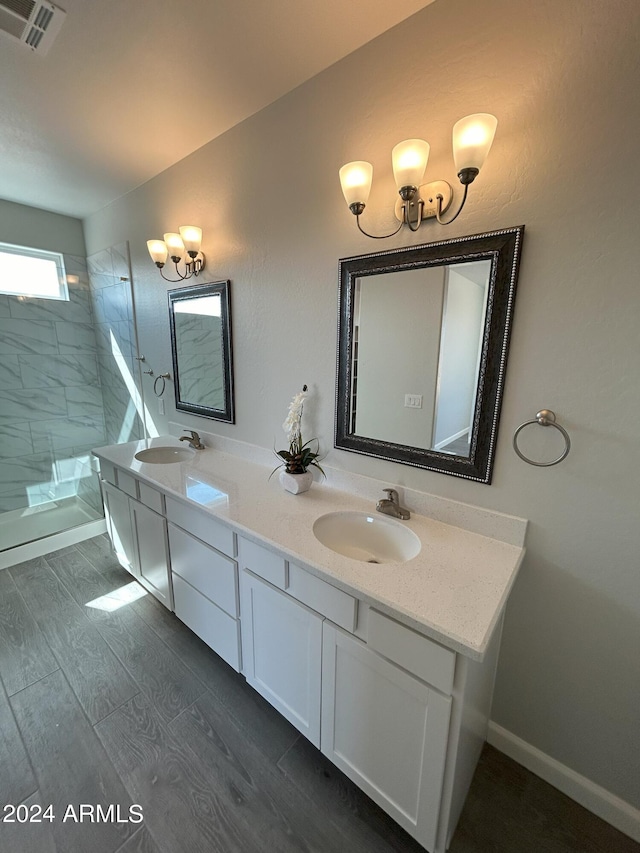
(185,245)
(472,139)
(466,177)
(357,207)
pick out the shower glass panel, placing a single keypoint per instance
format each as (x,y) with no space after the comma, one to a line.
(57,397)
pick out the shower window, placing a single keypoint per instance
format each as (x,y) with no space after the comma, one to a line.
(27,272)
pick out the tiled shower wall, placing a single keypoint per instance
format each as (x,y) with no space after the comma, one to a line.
(110,283)
(51,407)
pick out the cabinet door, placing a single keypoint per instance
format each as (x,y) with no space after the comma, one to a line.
(386,730)
(282,653)
(150,532)
(118,518)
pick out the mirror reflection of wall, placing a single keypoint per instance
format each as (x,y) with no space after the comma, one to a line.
(198,328)
(419,338)
(464,306)
(200,317)
(423,337)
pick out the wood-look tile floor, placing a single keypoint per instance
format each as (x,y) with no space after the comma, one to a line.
(127,707)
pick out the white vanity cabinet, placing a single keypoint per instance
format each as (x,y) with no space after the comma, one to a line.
(402,715)
(138,534)
(150,533)
(386,730)
(282,653)
(205,580)
(118,519)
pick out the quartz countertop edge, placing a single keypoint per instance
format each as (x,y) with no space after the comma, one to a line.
(453,591)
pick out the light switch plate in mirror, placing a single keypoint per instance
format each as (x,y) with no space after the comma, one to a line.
(431,320)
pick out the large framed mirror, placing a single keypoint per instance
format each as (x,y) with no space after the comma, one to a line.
(423,336)
(200,318)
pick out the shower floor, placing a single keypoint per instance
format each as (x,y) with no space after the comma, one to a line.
(20,526)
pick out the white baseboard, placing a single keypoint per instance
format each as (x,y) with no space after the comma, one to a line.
(601,802)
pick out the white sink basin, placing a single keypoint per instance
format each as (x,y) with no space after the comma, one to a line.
(165,455)
(371,538)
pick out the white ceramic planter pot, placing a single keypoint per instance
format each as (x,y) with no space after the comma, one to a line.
(296,483)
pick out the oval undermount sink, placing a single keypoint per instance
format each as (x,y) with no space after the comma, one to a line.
(366,537)
(165,455)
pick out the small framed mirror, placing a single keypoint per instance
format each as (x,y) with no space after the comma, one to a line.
(200,318)
(423,337)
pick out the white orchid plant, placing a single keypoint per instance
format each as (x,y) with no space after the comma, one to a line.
(299,456)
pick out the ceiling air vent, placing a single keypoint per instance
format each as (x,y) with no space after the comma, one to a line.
(31,22)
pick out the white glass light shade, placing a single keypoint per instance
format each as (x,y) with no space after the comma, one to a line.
(191,237)
(175,245)
(157,250)
(472,139)
(355,179)
(409,162)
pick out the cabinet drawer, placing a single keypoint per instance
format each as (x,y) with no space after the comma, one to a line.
(412,651)
(127,483)
(263,563)
(152,498)
(108,472)
(208,571)
(203,526)
(218,630)
(336,605)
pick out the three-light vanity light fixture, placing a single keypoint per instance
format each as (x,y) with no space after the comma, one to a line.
(184,246)
(472,139)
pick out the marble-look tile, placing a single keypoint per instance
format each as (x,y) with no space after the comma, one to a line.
(74,337)
(72,467)
(77,309)
(89,461)
(117,372)
(16,499)
(103,338)
(126,338)
(64,433)
(111,304)
(89,491)
(39,371)
(116,339)
(19,404)
(100,263)
(122,420)
(26,471)
(120,260)
(84,400)
(17,336)
(97,282)
(10,376)
(15,440)
(76,265)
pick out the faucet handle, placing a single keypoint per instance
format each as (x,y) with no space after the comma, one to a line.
(392,495)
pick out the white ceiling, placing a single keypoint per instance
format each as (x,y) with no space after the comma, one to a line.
(128,88)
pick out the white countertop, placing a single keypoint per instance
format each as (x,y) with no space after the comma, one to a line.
(454,590)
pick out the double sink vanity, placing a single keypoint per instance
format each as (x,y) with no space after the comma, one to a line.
(376,638)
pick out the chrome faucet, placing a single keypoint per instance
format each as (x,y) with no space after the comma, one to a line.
(193,439)
(391,505)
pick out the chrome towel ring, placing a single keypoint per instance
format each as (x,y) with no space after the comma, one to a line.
(164,377)
(545,417)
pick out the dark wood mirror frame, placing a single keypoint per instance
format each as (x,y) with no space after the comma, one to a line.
(198,291)
(502,248)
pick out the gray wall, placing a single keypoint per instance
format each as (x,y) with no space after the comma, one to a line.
(400,313)
(29,226)
(563,80)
